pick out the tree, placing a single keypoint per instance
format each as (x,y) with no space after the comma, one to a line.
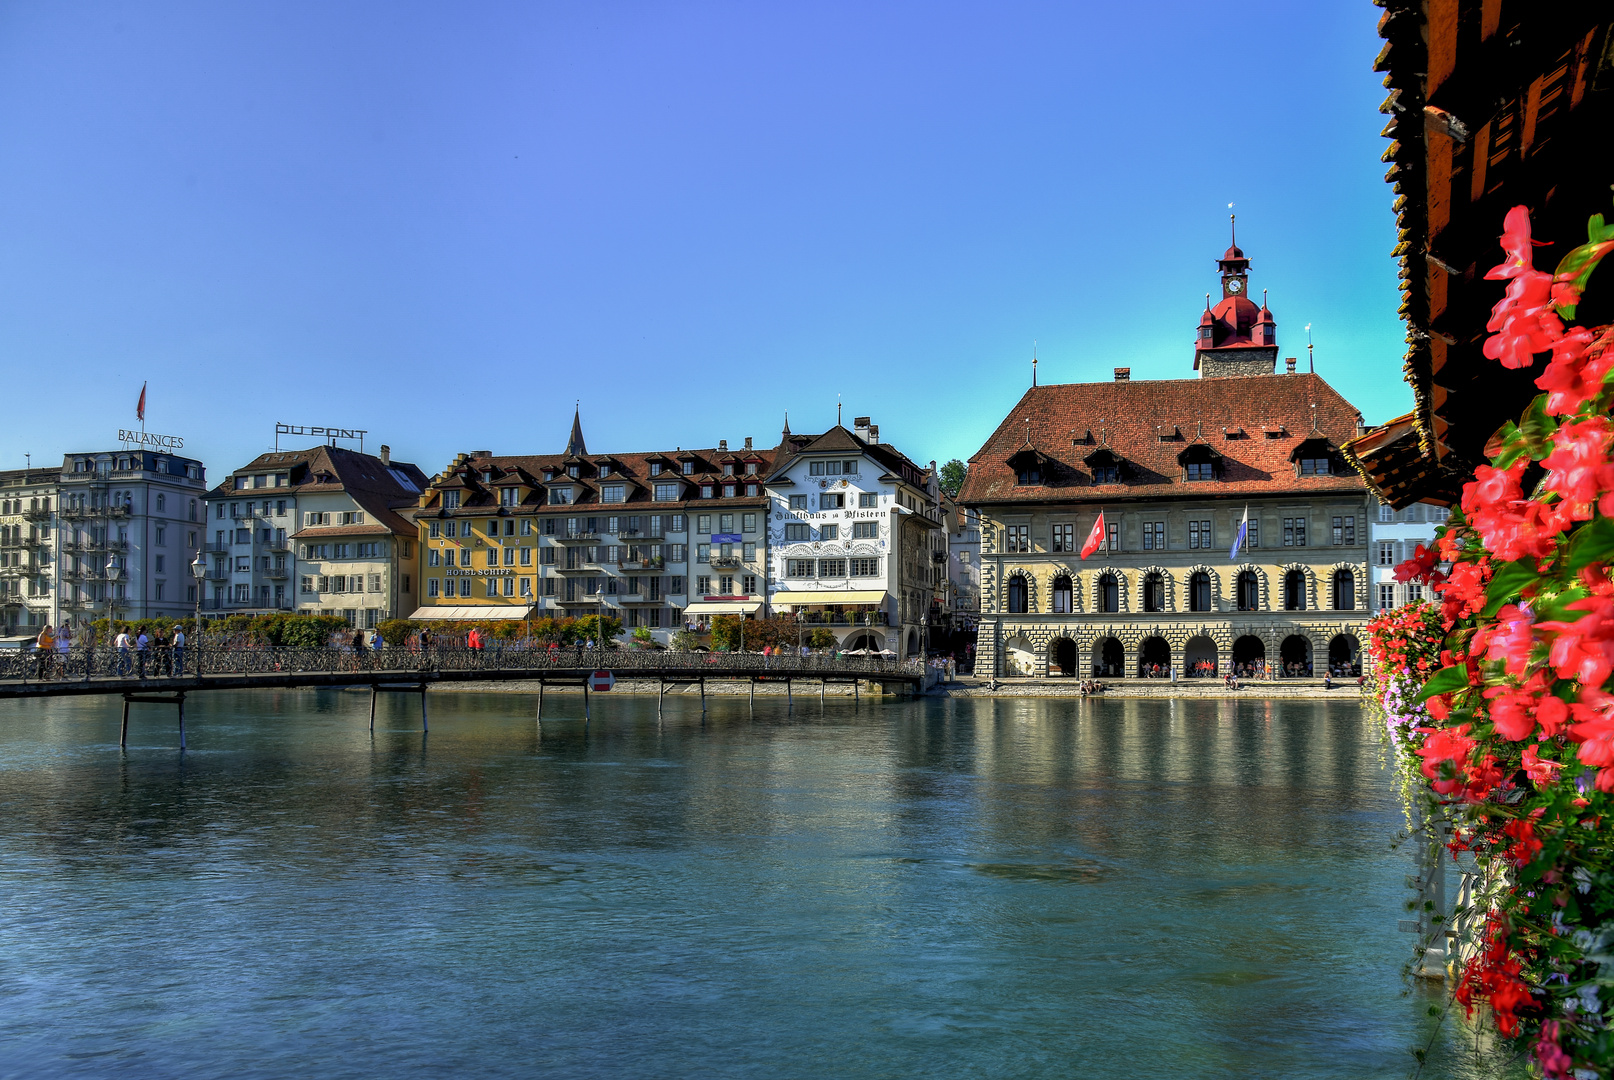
(952,476)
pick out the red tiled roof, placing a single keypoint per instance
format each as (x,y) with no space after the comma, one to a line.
(1130,418)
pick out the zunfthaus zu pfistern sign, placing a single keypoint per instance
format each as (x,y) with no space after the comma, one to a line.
(133,440)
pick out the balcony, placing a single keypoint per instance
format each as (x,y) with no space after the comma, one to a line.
(843,618)
(119,511)
(641,534)
(637,598)
(33,542)
(581,536)
(642,564)
(583,567)
(20,571)
(582,601)
(84,573)
(726,562)
(36,514)
(218,573)
(213,547)
(276,544)
(275,573)
(938,557)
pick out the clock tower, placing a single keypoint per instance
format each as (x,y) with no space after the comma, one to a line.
(1235,337)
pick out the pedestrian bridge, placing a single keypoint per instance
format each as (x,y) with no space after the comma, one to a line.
(165,677)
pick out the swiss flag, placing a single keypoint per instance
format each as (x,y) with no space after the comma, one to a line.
(1094,538)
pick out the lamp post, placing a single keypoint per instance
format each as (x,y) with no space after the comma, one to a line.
(199,571)
(113,573)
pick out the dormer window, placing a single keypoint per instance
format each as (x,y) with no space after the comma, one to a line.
(1200,462)
(1201,470)
(655,468)
(572,471)
(750,468)
(487,477)
(728,468)
(1315,467)
(1204,333)
(451,500)
(1106,474)
(560,496)
(1027,466)
(1314,457)
(509,496)
(689,468)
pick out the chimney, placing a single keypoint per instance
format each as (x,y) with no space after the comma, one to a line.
(386,454)
(1123,374)
(874,434)
(1288,365)
(722,444)
(860,425)
(748,442)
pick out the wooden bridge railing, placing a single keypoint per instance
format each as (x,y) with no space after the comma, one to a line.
(162,665)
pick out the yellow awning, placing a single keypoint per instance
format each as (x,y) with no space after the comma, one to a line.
(802,599)
(471,612)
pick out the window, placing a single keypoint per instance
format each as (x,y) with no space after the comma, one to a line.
(526,556)
(1064,538)
(451,500)
(1106,474)
(560,496)
(689,468)
(433,557)
(162,504)
(748,584)
(1062,594)
(827,501)
(546,556)
(831,568)
(725,585)
(160,568)
(703,553)
(725,523)
(868,500)
(613,493)
(748,523)
(509,496)
(243,564)
(162,536)
(829,532)
(1200,536)
(1154,593)
(1112,542)
(465,587)
(1294,591)
(1154,536)
(1386,596)
(1201,470)
(798,502)
(703,586)
(1018,538)
(1386,553)
(706,491)
(1252,539)
(1017,595)
(509,556)
(1294,532)
(666,493)
(1344,590)
(1414,592)
(1314,467)
(1109,594)
(1199,592)
(655,468)
(865,567)
(826,468)
(465,556)
(865,530)
(434,530)
(1386,512)
(748,551)
(1344,530)
(798,532)
(1029,471)
(1249,591)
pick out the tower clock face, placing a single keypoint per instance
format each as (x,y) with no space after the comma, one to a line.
(1235,286)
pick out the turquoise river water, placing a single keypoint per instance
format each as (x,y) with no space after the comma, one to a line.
(965,888)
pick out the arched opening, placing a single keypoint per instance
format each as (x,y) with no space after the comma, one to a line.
(1249,657)
(1108,657)
(1345,656)
(1294,591)
(1018,595)
(1018,657)
(1199,658)
(1062,657)
(1249,591)
(1154,593)
(1344,590)
(1295,656)
(865,639)
(913,643)
(1199,591)
(1109,593)
(1154,658)
(1062,595)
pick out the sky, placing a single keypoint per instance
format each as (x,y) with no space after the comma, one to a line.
(450,223)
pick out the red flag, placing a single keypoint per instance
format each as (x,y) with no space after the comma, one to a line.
(1094,538)
(140,407)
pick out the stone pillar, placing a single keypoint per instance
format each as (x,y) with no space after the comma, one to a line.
(988,652)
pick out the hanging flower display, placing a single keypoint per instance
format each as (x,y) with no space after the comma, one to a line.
(1498,698)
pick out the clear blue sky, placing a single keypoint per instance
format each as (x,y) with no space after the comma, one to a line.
(446,222)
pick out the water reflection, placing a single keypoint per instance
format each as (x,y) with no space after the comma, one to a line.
(1004,888)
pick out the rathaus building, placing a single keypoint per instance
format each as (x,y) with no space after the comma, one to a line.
(1174,465)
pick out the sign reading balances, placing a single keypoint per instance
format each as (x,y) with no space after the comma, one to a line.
(136,439)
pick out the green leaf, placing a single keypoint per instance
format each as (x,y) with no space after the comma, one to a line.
(1514,446)
(1556,608)
(1443,681)
(1592,542)
(1506,582)
(1537,427)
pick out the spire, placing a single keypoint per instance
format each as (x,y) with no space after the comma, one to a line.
(786,432)
(1233,229)
(575,447)
(1033,363)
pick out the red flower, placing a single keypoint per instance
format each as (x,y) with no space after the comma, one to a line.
(1539,769)
(1584,649)
(1571,379)
(1444,752)
(1418,568)
(1516,242)
(1555,1064)
(1578,467)
(1523,322)
(1525,846)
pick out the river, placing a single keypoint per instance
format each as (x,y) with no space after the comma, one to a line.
(965,888)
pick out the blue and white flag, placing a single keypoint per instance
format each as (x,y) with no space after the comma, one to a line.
(1238,541)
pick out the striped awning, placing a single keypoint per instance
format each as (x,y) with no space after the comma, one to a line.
(471,613)
(807,599)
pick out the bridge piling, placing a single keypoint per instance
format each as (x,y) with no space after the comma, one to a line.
(424,726)
(789,701)
(540,703)
(123,733)
(181,703)
(703,696)
(585,702)
(374,693)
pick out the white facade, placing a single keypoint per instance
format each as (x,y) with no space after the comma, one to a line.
(964,558)
(852,531)
(27,550)
(1393,538)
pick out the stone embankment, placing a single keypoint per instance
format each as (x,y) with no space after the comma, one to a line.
(1345,690)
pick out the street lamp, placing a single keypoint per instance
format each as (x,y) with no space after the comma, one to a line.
(199,571)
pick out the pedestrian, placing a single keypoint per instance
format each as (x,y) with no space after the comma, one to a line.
(121,645)
(179,649)
(159,652)
(44,649)
(375,643)
(86,642)
(142,646)
(64,646)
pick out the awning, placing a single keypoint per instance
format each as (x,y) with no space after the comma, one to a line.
(472,613)
(801,599)
(724,607)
